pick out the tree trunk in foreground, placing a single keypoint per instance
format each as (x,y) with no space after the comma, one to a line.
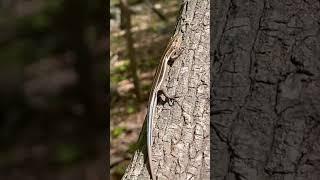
(265,108)
(181,131)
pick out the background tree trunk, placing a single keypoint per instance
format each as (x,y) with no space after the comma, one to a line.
(126,16)
(265,108)
(181,131)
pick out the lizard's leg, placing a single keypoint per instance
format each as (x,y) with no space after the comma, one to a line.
(174,56)
(177,53)
(170,99)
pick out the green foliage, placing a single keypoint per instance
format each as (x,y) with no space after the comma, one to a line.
(116,40)
(117,78)
(132,148)
(116,132)
(154,27)
(122,68)
(114,2)
(117,74)
(120,169)
(131,108)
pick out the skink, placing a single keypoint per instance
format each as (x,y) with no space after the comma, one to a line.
(171,52)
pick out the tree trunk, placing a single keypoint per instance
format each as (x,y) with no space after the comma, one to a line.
(181,131)
(72,23)
(265,86)
(126,20)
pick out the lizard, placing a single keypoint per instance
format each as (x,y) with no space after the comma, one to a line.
(171,52)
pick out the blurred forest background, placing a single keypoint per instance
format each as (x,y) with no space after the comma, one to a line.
(139,33)
(53,79)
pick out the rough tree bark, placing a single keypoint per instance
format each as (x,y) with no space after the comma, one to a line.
(181,131)
(265,108)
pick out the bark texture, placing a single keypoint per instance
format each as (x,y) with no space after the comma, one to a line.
(265,86)
(181,131)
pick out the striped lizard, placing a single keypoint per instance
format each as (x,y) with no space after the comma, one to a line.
(171,52)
